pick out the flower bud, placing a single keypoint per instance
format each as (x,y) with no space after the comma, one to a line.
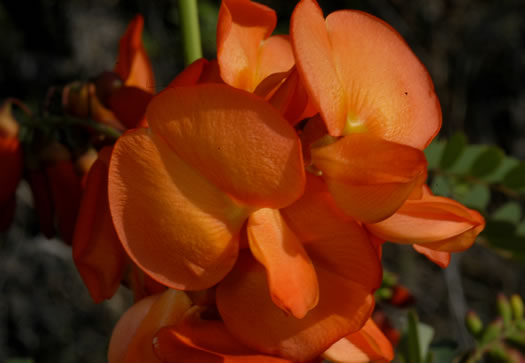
(492,332)
(473,323)
(516,304)
(384,293)
(105,85)
(8,125)
(504,309)
(75,99)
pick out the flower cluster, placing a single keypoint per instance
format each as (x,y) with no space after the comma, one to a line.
(247,203)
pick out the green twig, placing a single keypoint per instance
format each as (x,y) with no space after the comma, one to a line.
(189,18)
(65,120)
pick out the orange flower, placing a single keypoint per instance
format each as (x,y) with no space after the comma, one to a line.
(435,225)
(133,64)
(97,252)
(129,102)
(313,263)
(377,102)
(118,98)
(180,191)
(363,76)
(11,164)
(98,255)
(369,344)
(168,328)
(246,52)
(250,59)
(200,71)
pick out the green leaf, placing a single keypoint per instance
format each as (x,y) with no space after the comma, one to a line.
(502,234)
(433,153)
(413,349)
(515,178)
(495,230)
(425,335)
(441,186)
(465,161)
(453,150)
(520,229)
(444,351)
(478,197)
(506,165)
(487,162)
(509,212)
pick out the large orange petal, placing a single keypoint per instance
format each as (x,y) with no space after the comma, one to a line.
(133,64)
(234,139)
(198,340)
(433,222)
(366,345)
(332,239)
(241,28)
(316,64)
(244,302)
(176,225)
(315,216)
(363,75)
(291,275)
(132,338)
(370,178)
(97,252)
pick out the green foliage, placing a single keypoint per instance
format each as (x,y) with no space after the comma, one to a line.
(502,340)
(474,175)
(453,150)
(414,346)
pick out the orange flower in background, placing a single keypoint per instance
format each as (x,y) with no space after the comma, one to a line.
(97,251)
(435,225)
(133,64)
(134,67)
(10,164)
(118,98)
(98,255)
(180,191)
(377,102)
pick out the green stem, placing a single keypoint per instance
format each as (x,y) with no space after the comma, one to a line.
(189,18)
(69,120)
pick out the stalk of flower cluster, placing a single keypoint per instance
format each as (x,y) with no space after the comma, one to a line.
(189,19)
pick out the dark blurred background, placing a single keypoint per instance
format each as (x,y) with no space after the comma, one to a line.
(473,49)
